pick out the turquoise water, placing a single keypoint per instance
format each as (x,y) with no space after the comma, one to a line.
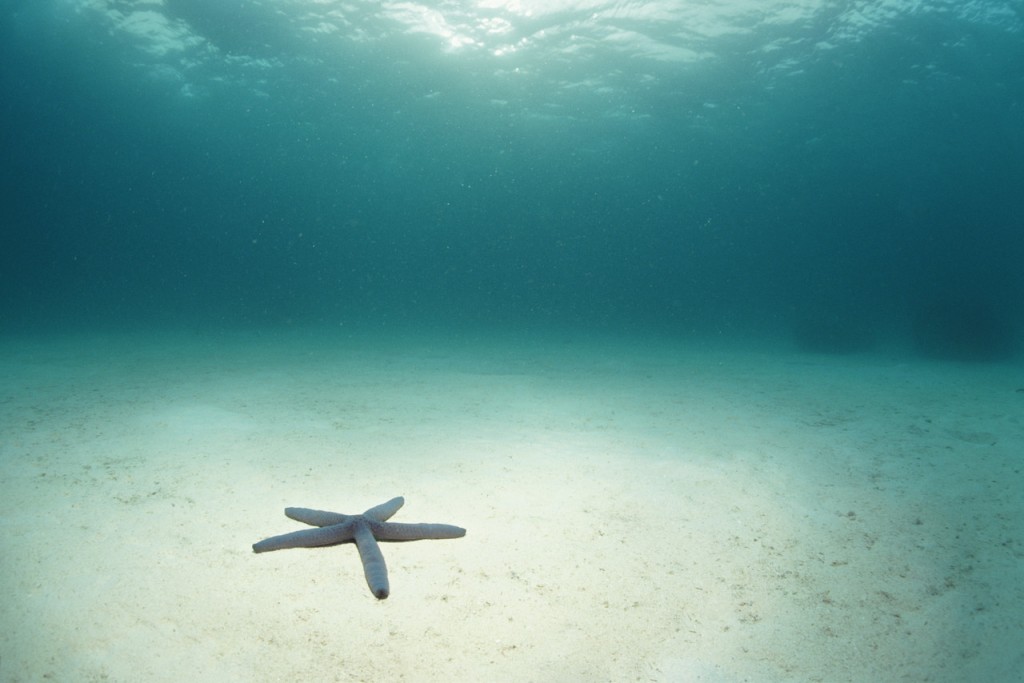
(840,175)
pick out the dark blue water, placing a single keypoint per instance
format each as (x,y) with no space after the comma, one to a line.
(841,175)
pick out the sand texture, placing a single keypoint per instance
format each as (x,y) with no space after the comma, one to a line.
(636,511)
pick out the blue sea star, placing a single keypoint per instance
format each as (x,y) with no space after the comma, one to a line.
(365,529)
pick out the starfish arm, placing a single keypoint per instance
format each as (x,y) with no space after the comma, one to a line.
(385,511)
(395,531)
(374,567)
(307,538)
(316,517)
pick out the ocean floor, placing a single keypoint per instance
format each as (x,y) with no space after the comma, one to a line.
(636,510)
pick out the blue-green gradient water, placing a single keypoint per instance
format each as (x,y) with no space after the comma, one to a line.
(840,175)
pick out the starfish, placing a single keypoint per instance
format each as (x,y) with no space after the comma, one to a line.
(365,529)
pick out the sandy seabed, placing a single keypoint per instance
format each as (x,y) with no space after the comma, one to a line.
(636,511)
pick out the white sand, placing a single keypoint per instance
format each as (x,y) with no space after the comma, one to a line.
(635,512)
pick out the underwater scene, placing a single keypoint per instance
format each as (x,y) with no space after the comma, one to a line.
(512,340)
